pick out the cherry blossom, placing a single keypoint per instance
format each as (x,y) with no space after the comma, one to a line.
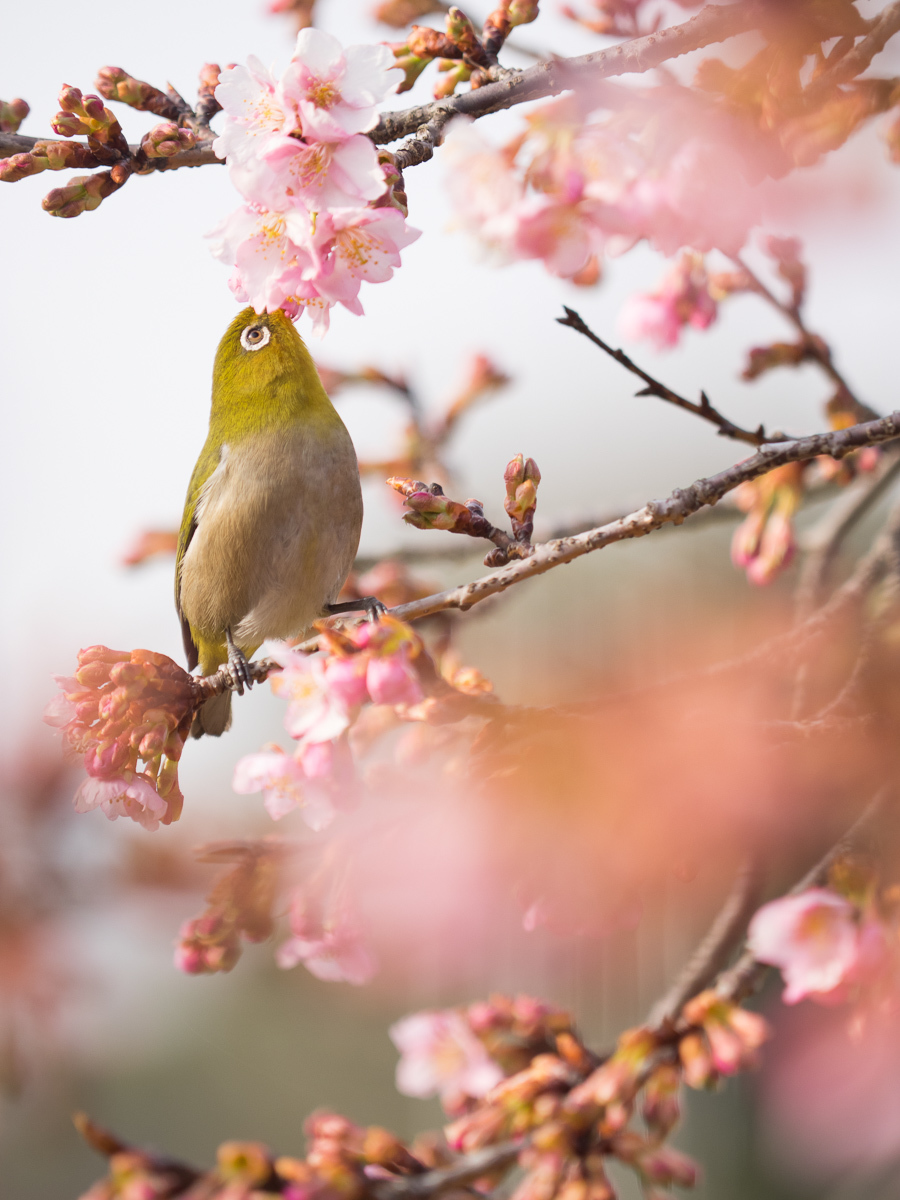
(812,937)
(332,949)
(440,1055)
(354,246)
(131,796)
(315,713)
(279,776)
(337,92)
(270,252)
(254,111)
(318,175)
(682,299)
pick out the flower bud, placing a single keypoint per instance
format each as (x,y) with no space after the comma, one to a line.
(244,1162)
(166,139)
(400,13)
(68,124)
(115,84)
(84,193)
(461,33)
(522,12)
(425,42)
(522,478)
(452,74)
(12,115)
(412,65)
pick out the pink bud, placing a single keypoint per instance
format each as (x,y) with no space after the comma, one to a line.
(393,680)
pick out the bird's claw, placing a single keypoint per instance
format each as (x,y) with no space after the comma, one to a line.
(370,605)
(238,668)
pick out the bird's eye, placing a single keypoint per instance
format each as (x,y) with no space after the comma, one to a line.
(255,337)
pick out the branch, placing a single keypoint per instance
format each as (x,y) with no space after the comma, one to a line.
(712,953)
(682,503)
(814,347)
(714,23)
(199,156)
(704,409)
(464,1170)
(881,29)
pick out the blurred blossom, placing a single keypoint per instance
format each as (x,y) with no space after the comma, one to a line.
(332,948)
(764,543)
(682,299)
(830,1096)
(441,1056)
(812,937)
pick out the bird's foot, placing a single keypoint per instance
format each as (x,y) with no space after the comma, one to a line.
(238,667)
(370,605)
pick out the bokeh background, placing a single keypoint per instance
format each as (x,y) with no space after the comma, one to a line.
(108,326)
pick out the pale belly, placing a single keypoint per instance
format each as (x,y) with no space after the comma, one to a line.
(277,531)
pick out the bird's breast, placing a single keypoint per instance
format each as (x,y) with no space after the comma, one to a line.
(278,526)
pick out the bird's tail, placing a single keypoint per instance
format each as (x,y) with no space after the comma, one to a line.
(213,717)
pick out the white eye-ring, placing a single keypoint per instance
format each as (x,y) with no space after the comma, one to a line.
(254,337)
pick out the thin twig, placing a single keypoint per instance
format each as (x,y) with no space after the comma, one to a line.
(464,1170)
(813,346)
(704,409)
(881,29)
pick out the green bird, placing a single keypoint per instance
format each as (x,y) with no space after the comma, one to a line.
(273,512)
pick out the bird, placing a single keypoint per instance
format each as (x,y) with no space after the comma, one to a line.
(273,512)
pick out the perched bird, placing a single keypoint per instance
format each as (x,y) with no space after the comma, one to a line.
(273,512)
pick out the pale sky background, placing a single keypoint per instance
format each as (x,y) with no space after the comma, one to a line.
(109,324)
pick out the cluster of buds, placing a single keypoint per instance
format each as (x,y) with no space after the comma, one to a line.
(430,508)
(763,544)
(86,116)
(462,54)
(238,907)
(723,1039)
(121,708)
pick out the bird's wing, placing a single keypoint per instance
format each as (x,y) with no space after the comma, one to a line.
(206,465)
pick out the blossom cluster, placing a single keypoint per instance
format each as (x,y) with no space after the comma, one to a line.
(833,944)
(682,299)
(372,663)
(122,708)
(322,213)
(568,188)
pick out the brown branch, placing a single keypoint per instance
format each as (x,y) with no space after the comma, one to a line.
(713,951)
(704,409)
(815,347)
(199,156)
(825,539)
(714,23)
(431,1183)
(682,503)
(881,29)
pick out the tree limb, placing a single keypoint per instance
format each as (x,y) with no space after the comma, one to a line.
(704,409)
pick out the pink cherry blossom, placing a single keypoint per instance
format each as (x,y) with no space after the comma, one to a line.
(345,679)
(254,111)
(681,299)
(440,1055)
(277,775)
(315,713)
(812,937)
(333,950)
(355,246)
(337,92)
(392,679)
(483,187)
(133,797)
(269,251)
(317,175)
